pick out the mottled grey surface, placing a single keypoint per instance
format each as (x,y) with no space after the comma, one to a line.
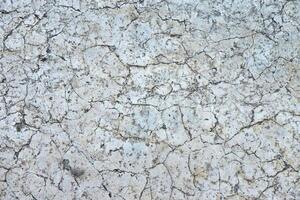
(149,99)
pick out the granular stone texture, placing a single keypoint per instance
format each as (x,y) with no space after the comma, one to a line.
(149,99)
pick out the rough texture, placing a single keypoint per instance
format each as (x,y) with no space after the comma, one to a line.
(149,100)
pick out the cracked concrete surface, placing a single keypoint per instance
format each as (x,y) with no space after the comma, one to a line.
(149,99)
